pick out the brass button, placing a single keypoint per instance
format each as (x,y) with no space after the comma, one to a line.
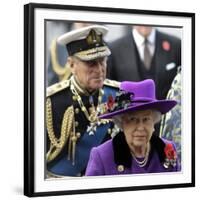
(74,138)
(83,109)
(76,123)
(109,131)
(74,98)
(120,168)
(91,109)
(78,135)
(77,110)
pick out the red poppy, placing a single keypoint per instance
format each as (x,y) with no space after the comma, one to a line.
(166,45)
(170,151)
(110,102)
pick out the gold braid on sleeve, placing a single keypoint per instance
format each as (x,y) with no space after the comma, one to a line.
(57,144)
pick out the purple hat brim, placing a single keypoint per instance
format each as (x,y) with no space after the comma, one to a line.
(161,105)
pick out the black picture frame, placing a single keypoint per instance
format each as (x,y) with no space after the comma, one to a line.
(30,96)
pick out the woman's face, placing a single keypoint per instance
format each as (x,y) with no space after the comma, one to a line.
(138,127)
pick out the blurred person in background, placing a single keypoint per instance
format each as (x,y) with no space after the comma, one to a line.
(144,52)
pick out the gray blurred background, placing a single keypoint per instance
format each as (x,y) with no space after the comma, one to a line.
(56,28)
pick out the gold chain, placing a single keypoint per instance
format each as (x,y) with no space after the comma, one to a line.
(66,129)
(93,116)
(68,133)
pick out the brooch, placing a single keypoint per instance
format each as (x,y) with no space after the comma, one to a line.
(171,156)
(121,101)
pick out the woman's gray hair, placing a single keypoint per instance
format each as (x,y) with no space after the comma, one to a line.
(156,117)
(118,121)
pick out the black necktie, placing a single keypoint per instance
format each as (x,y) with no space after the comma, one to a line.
(147,55)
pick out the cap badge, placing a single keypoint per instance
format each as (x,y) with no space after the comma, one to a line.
(93,38)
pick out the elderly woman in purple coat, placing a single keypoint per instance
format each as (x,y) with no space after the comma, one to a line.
(135,149)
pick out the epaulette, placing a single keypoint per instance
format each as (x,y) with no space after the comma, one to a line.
(112,83)
(57,87)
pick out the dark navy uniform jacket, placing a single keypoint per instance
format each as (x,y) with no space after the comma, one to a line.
(61,98)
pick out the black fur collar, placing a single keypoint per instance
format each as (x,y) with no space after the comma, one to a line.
(122,155)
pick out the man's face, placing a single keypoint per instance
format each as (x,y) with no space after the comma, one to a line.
(138,127)
(89,74)
(143,30)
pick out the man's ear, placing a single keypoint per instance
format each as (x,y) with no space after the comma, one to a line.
(70,63)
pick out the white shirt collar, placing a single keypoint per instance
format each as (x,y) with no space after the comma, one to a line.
(139,39)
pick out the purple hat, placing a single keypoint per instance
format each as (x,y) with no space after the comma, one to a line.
(134,96)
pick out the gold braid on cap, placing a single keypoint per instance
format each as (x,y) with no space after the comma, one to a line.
(56,144)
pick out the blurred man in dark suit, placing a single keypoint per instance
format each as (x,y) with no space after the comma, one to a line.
(144,52)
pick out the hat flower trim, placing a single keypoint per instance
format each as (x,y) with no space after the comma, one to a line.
(171,156)
(110,103)
(122,101)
